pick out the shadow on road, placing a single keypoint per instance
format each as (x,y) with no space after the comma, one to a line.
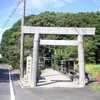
(4,75)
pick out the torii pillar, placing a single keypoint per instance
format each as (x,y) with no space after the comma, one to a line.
(35,60)
(81,61)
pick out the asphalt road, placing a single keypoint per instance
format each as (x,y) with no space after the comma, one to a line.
(39,93)
(4,83)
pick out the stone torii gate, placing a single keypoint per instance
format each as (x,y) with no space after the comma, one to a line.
(62,31)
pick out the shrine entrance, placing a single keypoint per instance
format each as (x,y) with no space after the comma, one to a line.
(80,32)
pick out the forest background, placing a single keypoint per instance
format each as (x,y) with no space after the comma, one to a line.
(10,43)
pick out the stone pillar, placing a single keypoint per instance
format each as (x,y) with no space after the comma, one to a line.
(81,61)
(29,68)
(35,59)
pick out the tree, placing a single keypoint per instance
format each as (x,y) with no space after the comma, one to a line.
(10,43)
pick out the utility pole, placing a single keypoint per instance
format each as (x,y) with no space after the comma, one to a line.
(22,42)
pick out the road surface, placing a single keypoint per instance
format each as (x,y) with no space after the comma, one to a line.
(4,83)
(11,90)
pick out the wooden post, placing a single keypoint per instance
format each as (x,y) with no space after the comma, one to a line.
(35,60)
(81,61)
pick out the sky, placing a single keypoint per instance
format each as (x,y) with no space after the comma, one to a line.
(38,6)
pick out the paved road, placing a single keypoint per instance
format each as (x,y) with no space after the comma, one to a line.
(57,93)
(4,83)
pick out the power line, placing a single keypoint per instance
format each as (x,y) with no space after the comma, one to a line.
(3,7)
(4,10)
(11,14)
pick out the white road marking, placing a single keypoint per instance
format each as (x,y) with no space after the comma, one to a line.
(11,87)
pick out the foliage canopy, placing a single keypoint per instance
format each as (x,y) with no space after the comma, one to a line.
(10,44)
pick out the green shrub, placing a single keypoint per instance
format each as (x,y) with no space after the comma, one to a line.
(57,58)
(64,72)
(55,66)
(42,67)
(39,71)
(76,67)
(14,62)
(3,60)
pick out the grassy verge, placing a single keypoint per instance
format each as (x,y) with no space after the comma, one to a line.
(95,87)
(93,69)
